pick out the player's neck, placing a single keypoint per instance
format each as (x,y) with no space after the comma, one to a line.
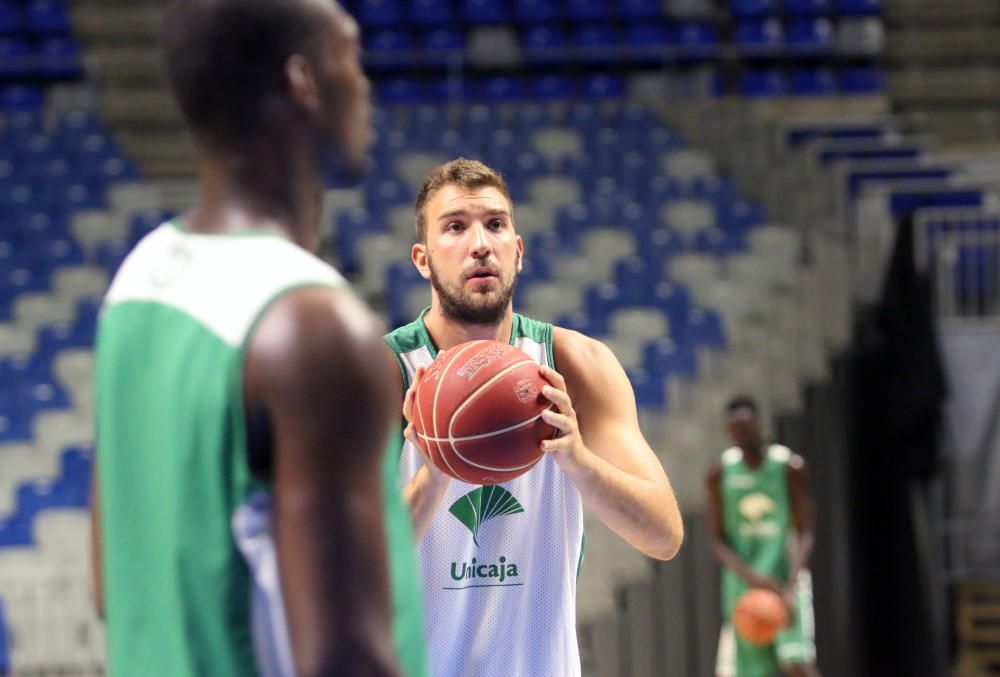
(446,332)
(753,455)
(283,196)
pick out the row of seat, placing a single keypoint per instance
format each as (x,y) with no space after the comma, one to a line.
(40,17)
(43,59)
(376,13)
(606,43)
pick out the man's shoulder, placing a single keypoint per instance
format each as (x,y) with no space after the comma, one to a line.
(407,338)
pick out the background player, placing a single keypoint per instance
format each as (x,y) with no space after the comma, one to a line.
(759,514)
(525,624)
(244,397)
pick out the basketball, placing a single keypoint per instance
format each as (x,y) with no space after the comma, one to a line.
(477,411)
(759,616)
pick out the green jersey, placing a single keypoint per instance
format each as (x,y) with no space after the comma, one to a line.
(189,563)
(756,517)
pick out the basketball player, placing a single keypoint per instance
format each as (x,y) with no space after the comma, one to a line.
(244,394)
(759,514)
(500,588)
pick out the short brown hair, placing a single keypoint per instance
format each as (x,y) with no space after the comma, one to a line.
(469,174)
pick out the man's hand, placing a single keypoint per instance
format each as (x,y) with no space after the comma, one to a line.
(568,448)
(435,476)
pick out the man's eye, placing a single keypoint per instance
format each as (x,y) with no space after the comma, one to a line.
(455,226)
(496,224)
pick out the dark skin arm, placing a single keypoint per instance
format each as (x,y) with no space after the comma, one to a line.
(96,565)
(316,365)
(800,498)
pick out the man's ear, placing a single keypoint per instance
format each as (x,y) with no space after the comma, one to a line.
(418,254)
(520,253)
(302,83)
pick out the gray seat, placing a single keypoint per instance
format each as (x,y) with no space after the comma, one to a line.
(688,217)
(555,143)
(551,192)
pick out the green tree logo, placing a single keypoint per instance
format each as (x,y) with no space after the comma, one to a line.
(483,504)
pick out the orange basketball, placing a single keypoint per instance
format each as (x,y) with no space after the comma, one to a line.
(759,616)
(478,409)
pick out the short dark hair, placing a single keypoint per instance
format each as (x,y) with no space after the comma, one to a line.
(460,172)
(225,59)
(738,402)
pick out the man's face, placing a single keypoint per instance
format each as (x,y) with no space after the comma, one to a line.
(345,108)
(743,426)
(471,255)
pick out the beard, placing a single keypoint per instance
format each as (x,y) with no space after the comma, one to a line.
(467,307)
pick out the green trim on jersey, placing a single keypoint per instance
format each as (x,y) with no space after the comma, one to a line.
(414,336)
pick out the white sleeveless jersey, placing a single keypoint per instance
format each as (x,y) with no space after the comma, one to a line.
(499,563)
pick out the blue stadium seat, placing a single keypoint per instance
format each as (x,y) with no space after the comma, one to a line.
(23,368)
(650,392)
(595,43)
(47,16)
(718,241)
(400,279)
(21,98)
(484,11)
(603,86)
(379,13)
(580,321)
(858,7)
(445,40)
(759,37)
(141,223)
(10,18)
(660,189)
(530,117)
(673,299)
(861,80)
(53,338)
(768,82)
(351,226)
(388,40)
(82,196)
(695,39)
(113,170)
(41,396)
(741,215)
(811,36)
(704,327)
(398,90)
(665,357)
(15,530)
(62,251)
(548,87)
(636,278)
(430,12)
(752,8)
(542,44)
(813,82)
(640,9)
(21,280)
(807,7)
(500,88)
(60,58)
(660,243)
(536,11)
(88,308)
(587,10)
(16,58)
(646,38)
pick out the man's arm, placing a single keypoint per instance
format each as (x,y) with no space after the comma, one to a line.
(802,517)
(717,533)
(602,448)
(317,366)
(96,560)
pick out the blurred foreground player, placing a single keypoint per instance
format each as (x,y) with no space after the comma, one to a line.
(245,398)
(759,514)
(500,564)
